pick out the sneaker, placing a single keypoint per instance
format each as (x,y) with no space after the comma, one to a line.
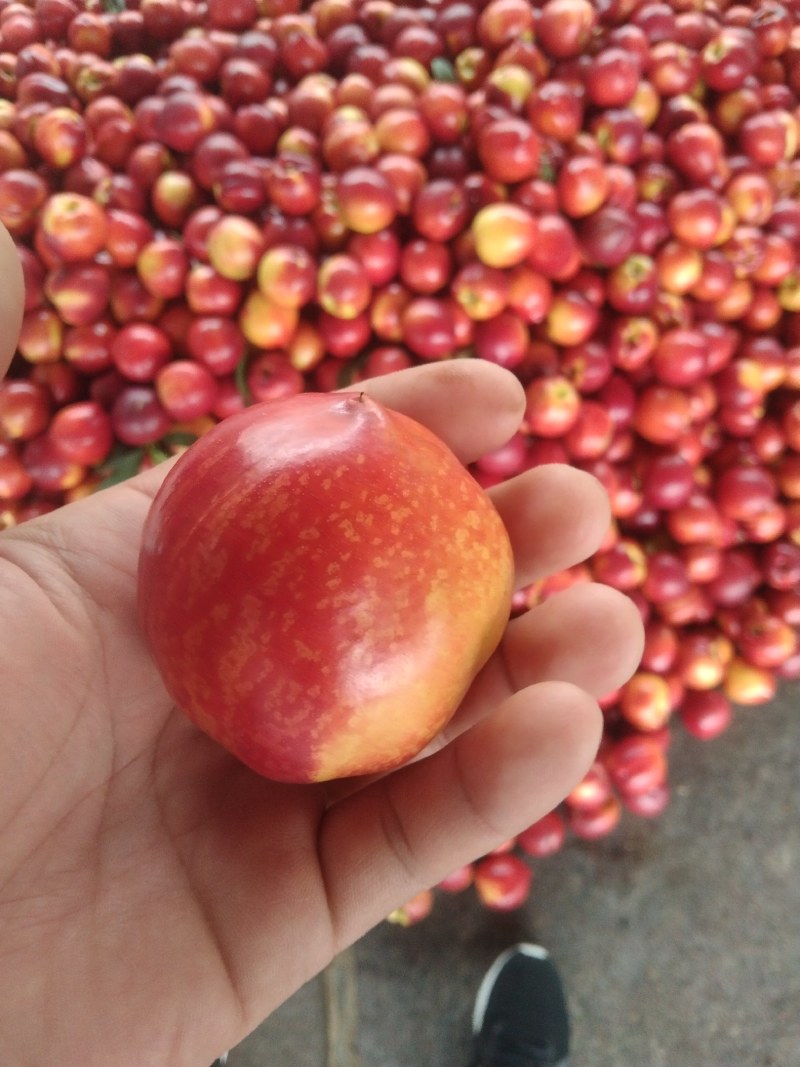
(520,1017)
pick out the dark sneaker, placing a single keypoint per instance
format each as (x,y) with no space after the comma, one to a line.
(520,1017)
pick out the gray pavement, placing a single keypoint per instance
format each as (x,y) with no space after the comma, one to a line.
(678,938)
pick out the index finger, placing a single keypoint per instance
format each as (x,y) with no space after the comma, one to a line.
(473,405)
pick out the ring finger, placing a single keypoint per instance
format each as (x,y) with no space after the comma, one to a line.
(589,635)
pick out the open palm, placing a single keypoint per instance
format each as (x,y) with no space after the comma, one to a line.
(158,899)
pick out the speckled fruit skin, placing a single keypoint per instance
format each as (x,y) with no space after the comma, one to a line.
(320,579)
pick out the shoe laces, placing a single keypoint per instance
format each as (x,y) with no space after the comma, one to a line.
(503,1049)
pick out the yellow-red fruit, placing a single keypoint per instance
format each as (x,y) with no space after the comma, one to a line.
(504,234)
(320,580)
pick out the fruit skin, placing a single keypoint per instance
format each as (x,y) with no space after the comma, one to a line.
(504,234)
(319,581)
(502,882)
(414,910)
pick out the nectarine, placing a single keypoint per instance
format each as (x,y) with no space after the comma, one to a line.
(320,580)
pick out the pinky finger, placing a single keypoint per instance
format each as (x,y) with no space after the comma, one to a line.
(407,830)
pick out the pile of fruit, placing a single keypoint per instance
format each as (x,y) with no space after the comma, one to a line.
(223,201)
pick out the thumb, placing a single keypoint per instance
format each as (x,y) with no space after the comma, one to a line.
(12,295)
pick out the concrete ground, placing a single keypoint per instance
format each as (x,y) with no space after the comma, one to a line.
(678,938)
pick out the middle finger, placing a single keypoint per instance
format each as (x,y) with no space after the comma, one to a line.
(556,516)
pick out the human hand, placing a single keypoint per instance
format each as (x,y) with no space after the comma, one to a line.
(157,898)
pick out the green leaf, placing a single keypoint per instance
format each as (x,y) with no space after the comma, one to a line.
(240,378)
(547,171)
(443,70)
(346,375)
(180,438)
(157,453)
(121,466)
